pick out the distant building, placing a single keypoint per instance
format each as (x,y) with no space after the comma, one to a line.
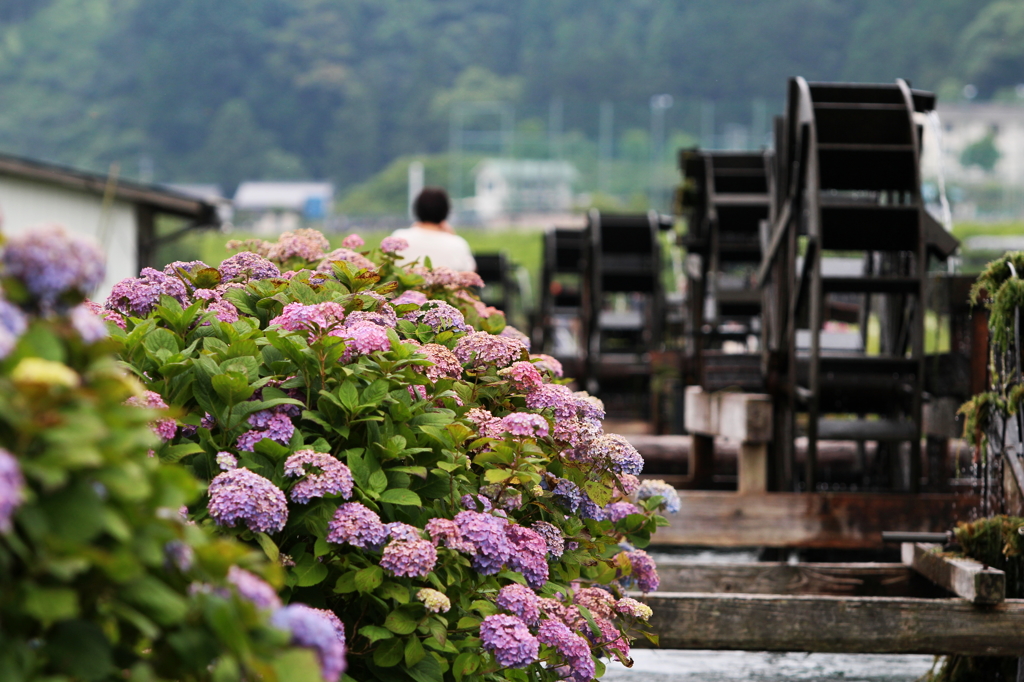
(119,214)
(275,207)
(507,187)
(966,124)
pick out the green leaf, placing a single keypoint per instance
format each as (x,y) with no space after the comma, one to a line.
(497,475)
(414,652)
(233,387)
(309,571)
(369,578)
(374,393)
(348,396)
(161,339)
(51,604)
(346,583)
(414,470)
(466,664)
(400,622)
(401,496)
(174,453)
(375,633)
(80,649)
(467,623)
(598,492)
(269,547)
(388,654)
(297,665)
(396,591)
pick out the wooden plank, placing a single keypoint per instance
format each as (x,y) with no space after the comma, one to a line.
(743,417)
(827,520)
(879,625)
(965,578)
(851,579)
(753,468)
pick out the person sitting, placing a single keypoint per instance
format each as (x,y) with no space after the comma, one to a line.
(431,235)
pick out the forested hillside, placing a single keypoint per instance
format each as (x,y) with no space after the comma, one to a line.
(218,91)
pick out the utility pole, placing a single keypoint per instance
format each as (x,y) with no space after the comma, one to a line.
(659,104)
(605,144)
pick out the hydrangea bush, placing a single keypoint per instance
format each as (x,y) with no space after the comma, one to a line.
(101,576)
(388,441)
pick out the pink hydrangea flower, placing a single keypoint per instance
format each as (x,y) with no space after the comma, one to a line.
(409,558)
(509,639)
(322,475)
(241,495)
(393,244)
(353,241)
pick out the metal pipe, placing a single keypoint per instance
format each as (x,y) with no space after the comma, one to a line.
(909,536)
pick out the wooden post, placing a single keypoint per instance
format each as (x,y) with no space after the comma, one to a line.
(743,417)
(966,578)
(702,460)
(753,468)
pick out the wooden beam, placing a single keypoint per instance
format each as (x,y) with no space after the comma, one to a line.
(825,520)
(853,579)
(742,417)
(965,578)
(753,468)
(880,625)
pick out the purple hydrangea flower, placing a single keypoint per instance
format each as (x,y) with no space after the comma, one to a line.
(658,488)
(357,525)
(362,338)
(138,296)
(529,555)
(556,397)
(383,317)
(165,428)
(481,349)
(599,602)
(409,558)
(546,363)
(12,489)
(590,510)
(615,452)
(512,333)
(521,601)
(317,317)
(573,649)
(508,638)
(393,244)
(324,475)
(616,511)
(304,244)
(441,316)
(610,638)
(191,267)
(223,311)
(248,265)
(51,262)
(553,538)
(446,365)
(524,424)
(446,532)
(13,324)
(353,241)
(276,426)
(88,324)
(226,461)
(312,628)
(476,502)
(644,572)
(178,555)
(567,494)
(410,297)
(254,588)
(402,531)
(358,261)
(523,376)
(487,536)
(241,495)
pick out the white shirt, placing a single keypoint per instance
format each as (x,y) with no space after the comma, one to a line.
(444,249)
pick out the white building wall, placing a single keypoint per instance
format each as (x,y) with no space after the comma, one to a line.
(25,204)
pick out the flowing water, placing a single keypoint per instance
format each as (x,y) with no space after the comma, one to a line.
(652,665)
(734,666)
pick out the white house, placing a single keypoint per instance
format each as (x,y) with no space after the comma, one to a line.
(277,207)
(119,214)
(506,187)
(965,124)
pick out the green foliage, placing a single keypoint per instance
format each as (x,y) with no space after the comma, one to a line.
(95,574)
(981,153)
(410,441)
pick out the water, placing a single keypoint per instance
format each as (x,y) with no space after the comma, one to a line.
(734,666)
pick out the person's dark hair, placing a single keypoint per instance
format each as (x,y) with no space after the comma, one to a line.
(432,205)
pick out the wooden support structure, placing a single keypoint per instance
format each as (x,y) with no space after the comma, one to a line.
(851,579)
(822,520)
(816,623)
(963,577)
(742,417)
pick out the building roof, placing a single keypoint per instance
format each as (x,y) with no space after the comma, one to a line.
(529,169)
(159,198)
(258,196)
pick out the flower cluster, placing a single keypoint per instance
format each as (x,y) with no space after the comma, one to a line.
(13,324)
(312,628)
(52,263)
(138,296)
(434,601)
(409,558)
(166,427)
(657,488)
(508,638)
(328,476)
(643,571)
(12,489)
(253,588)
(273,424)
(357,525)
(480,349)
(357,260)
(241,495)
(249,266)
